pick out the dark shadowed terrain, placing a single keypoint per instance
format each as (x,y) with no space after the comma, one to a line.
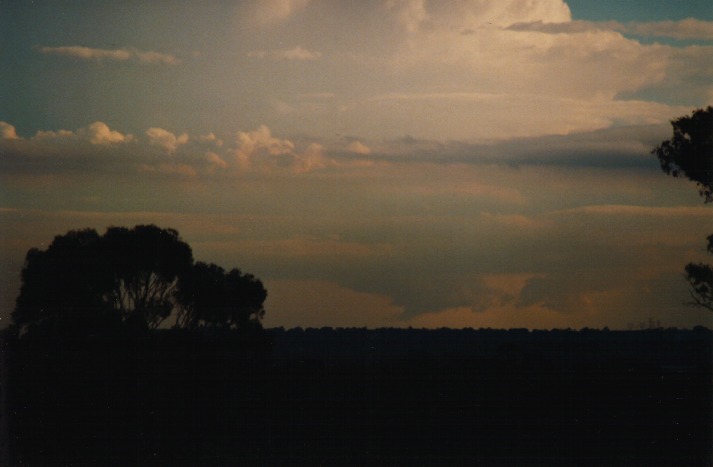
(363,397)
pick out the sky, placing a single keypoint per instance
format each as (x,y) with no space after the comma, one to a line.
(461,163)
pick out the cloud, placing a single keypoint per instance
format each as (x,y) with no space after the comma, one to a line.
(215,160)
(412,236)
(449,85)
(7,131)
(271,12)
(430,15)
(170,169)
(689,28)
(97,133)
(317,303)
(614,148)
(50,134)
(102,149)
(210,137)
(504,78)
(488,117)
(95,54)
(475,70)
(165,139)
(410,13)
(258,150)
(686,29)
(100,133)
(156,57)
(258,141)
(531,64)
(296,53)
(55,154)
(358,147)
(87,53)
(648,211)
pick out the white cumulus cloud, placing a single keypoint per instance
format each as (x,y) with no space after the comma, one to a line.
(260,141)
(357,147)
(7,131)
(165,139)
(100,133)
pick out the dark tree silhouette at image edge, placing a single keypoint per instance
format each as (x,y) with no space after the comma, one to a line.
(689,153)
(700,278)
(138,277)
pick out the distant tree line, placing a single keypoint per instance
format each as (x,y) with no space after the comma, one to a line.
(141,278)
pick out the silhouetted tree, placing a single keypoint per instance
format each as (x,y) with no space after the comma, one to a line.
(700,277)
(145,263)
(65,284)
(210,296)
(84,281)
(689,153)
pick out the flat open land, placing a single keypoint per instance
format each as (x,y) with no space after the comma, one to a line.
(365,397)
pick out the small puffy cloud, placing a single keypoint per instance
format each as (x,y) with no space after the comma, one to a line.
(100,133)
(165,139)
(50,134)
(357,147)
(124,54)
(215,161)
(313,158)
(7,131)
(210,138)
(259,150)
(260,141)
(296,53)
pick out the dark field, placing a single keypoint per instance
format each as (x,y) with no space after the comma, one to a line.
(364,397)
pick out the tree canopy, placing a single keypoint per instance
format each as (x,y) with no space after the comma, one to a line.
(137,277)
(689,153)
(145,263)
(65,284)
(210,296)
(700,278)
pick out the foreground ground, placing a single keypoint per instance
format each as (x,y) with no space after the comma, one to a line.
(361,397)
